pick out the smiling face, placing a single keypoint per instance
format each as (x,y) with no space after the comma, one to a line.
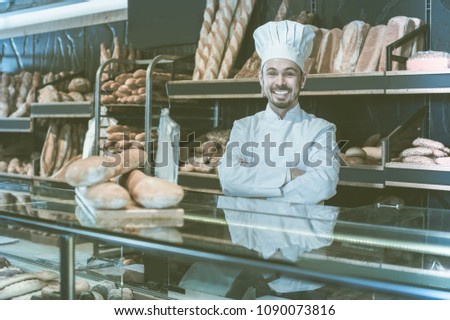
(281,81)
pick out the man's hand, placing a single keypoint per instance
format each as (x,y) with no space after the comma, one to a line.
(296,173)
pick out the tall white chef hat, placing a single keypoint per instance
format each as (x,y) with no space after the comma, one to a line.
(284,39)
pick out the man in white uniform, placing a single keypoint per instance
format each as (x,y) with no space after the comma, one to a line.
(282,153)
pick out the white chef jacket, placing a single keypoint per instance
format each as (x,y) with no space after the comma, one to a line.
(263,148)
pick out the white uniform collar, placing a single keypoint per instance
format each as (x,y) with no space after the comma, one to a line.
(292,115)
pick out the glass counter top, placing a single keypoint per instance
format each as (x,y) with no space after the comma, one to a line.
(405,247)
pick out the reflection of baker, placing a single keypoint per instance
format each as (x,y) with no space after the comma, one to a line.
(255,225)
(280,231)
(282,153)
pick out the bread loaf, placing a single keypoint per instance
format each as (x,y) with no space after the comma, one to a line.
(107,195)
(327,51)
(416,151)
(80,85)
(122,128)
(373,152)
(418,160)
(419,41)
(310,64)
(152,192)
(428,143)
(48,94)
(369,59)
(61,173)
(140,73)
(353,37)
(444,161)
(397,27)
(96,169)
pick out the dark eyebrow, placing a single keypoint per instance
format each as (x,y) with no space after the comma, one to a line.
(287,69)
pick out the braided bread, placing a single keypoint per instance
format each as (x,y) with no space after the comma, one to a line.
(242,16)
(200,58)
(219,36)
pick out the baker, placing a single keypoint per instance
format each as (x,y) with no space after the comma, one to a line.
(282,153)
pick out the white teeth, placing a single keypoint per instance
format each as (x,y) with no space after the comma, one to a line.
(281,91)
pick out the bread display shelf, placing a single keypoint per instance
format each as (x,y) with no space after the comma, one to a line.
(35,185)
(196,181)
(416,82)
(436,177)
(15,182)
(51,187)
(130,217)
(62,110)
(16,125)
(362,176)
(390,82)
(417,176)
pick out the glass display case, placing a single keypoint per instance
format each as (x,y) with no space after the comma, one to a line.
(225,248)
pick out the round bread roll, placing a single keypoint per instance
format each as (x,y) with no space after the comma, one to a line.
(356,152)
(374,152)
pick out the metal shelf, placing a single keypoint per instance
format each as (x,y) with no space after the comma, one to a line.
(390,82)
(16,125)
(362,176)
(409,82)
(417,176)
(61,110)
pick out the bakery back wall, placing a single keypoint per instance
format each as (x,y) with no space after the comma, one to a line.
(78,49)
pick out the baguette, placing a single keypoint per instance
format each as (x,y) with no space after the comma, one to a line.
(41,275)
(47,161)
(64,143)
(152,192)
(20,288)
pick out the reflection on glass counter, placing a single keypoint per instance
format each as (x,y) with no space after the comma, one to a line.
(241,248)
